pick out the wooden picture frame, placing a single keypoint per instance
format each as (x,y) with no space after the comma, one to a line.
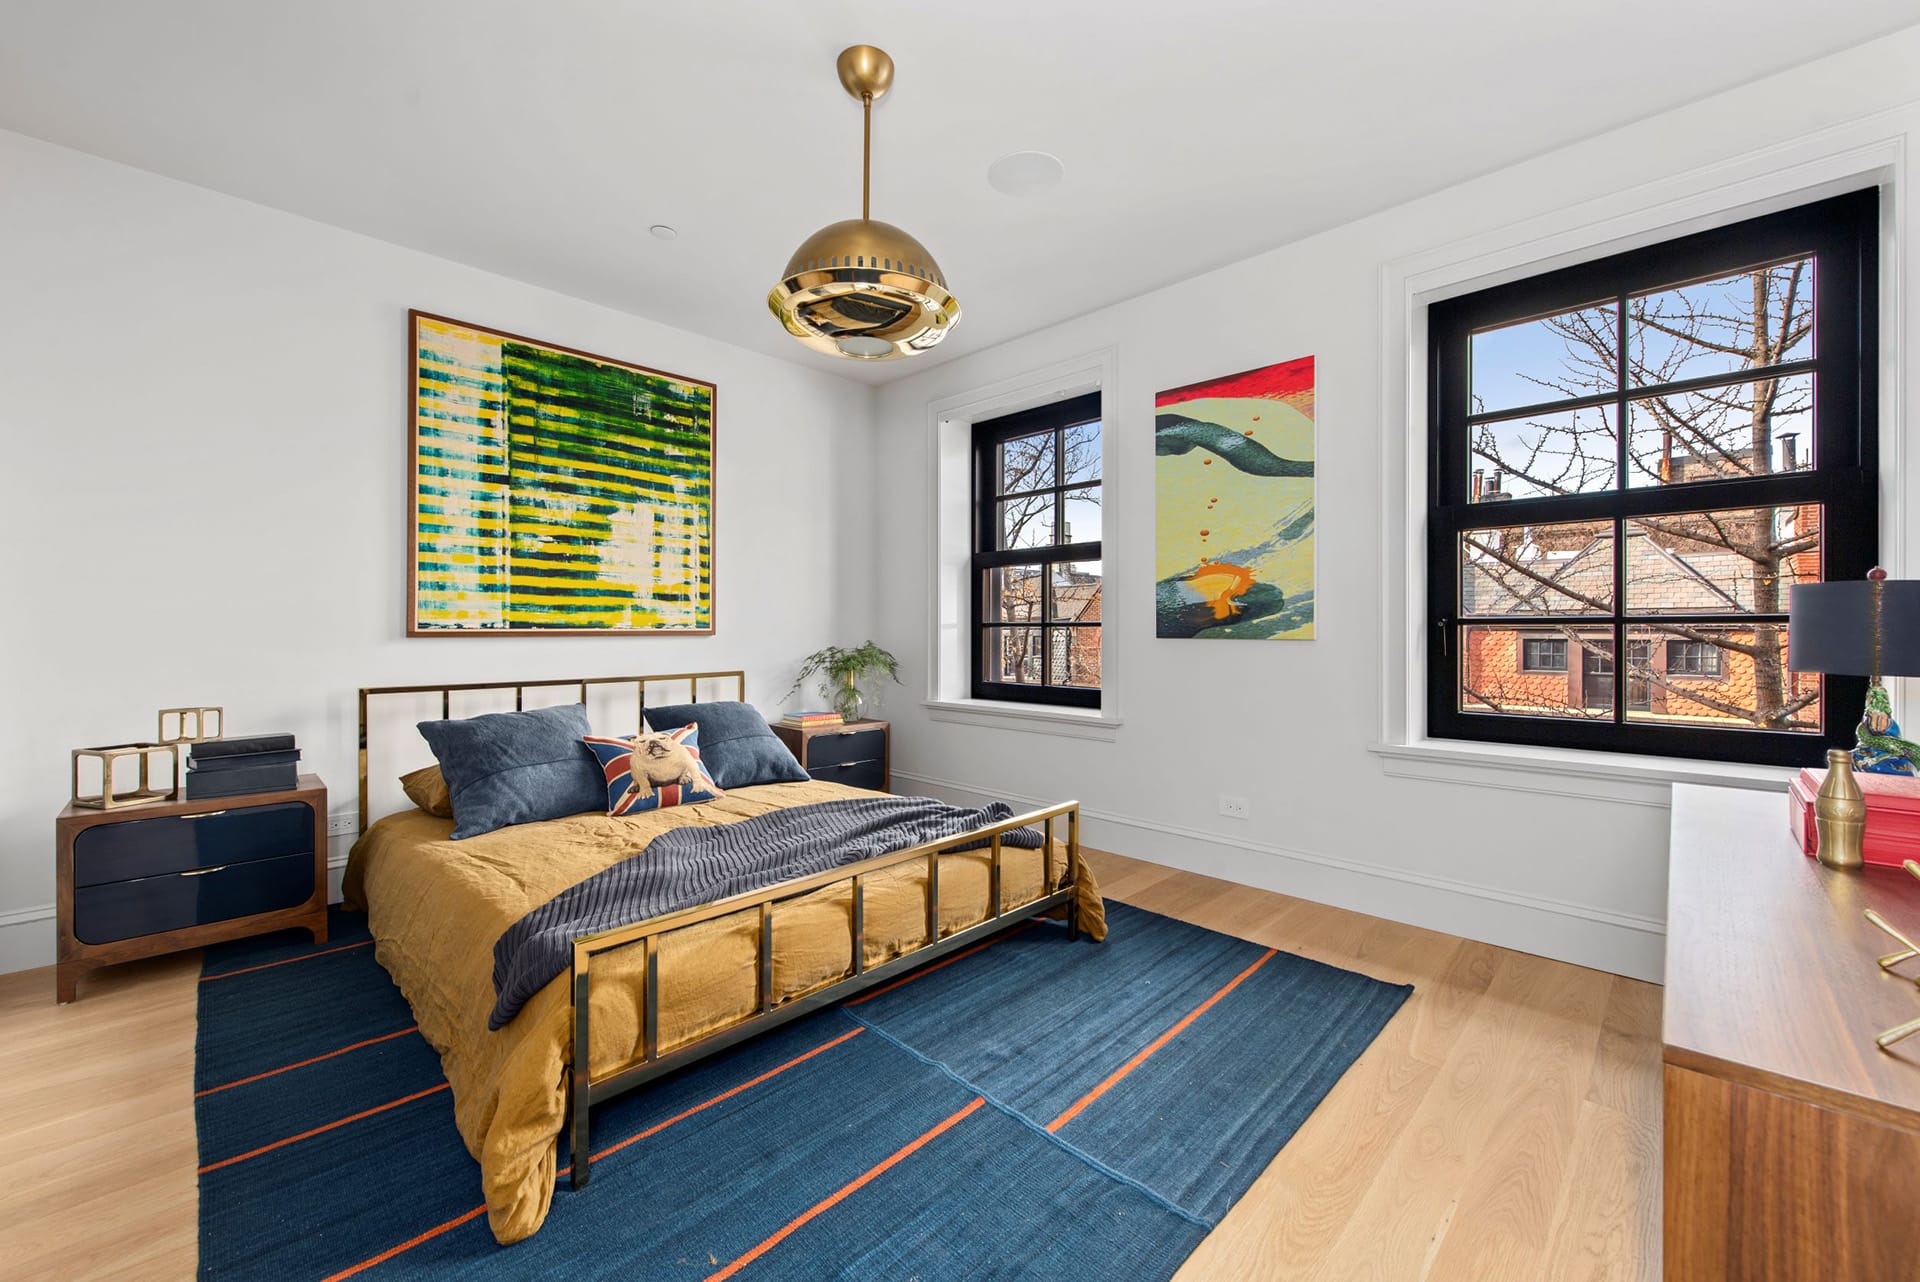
(540,502)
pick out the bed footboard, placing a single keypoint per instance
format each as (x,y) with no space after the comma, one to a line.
(587,1089)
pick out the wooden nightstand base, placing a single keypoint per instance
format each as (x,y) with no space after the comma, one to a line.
(68,972)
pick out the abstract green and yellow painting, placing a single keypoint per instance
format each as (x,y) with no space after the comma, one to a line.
(555,491)
(1233,490)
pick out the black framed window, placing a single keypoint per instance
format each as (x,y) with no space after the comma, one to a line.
(1645,453)
(1694,659)
(1543,654)
(1038,589)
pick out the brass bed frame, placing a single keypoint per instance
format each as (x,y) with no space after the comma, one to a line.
(586,1088)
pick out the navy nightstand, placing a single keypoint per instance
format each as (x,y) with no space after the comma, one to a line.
(152,879)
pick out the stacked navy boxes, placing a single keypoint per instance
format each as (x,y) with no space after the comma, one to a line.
(231,767)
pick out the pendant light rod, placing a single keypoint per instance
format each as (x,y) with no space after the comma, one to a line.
(866,73)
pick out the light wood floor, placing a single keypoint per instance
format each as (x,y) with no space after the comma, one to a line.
(1504,1128)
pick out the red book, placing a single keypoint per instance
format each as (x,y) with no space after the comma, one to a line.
(1893,815)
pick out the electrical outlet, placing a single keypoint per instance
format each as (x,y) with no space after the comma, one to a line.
(342,825)
(1233,807)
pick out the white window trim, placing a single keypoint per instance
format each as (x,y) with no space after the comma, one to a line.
(950,421)
(1827,163)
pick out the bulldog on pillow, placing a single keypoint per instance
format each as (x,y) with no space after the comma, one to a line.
(653,771)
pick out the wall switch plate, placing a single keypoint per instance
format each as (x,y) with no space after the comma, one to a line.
(342,825)
(1233,807)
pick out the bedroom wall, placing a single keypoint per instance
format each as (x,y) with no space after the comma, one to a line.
(1554,864)
(203,406)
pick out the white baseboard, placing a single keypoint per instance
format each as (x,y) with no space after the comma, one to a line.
(26,934)
(1619,943)
(26,938)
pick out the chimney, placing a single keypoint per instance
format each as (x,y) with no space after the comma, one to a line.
(1789,451)
(1478,477)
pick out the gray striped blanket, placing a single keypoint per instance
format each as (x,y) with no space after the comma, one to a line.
(691,866)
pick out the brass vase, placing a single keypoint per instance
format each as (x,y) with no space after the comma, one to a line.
(1840,813)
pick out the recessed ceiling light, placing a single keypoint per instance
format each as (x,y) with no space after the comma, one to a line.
(1025,173)
(662,232)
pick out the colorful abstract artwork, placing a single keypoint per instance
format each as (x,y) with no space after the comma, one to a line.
(555,491)
(1233,486)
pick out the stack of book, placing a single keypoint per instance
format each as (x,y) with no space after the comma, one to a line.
(801,720)
(231,767)
(1893,815)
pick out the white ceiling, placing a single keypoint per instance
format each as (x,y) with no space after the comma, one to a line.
(540,138)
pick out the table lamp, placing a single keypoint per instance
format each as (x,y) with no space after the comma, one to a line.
(1865,627)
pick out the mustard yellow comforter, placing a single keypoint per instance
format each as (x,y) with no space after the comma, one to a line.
(436,906)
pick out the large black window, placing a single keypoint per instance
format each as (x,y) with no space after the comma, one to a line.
(1640,456)
(1036,555)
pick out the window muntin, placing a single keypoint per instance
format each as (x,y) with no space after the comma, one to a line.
(1036,562)
(1649,451)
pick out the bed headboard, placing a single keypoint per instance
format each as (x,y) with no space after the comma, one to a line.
(419,699)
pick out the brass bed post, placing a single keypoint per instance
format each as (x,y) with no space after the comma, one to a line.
(1073,872)
(859,924)
(999,902)
(363,759)
(581,1075)
(652,1043)
(766,958)
(933,897)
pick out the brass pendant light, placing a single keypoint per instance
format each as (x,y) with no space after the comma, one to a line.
(860,288)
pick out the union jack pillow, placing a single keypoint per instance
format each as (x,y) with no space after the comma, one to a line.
(652,771)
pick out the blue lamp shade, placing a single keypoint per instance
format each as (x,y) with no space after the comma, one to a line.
(1831,628)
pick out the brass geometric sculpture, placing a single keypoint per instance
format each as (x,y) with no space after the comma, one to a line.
(145,791)
(1908,951)
(192,725)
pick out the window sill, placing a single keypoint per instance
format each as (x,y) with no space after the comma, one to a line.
(1607,776)
(1075,723)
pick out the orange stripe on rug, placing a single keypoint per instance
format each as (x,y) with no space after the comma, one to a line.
(943,962)
(1144,1053)
(723,1096)
(434,1232)
(407,1245)
(321,1130)
(284,961)
(846,1190)
(288,1068)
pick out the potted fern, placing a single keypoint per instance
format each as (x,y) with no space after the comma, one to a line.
(842,672)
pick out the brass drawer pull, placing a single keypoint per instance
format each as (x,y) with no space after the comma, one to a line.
(201,872)
(205,814)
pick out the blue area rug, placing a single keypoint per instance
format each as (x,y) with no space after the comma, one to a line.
(1033,1108)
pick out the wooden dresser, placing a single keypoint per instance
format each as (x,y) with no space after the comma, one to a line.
(1792,1141)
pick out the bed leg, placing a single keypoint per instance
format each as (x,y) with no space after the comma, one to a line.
(1073,874)
(581,1093)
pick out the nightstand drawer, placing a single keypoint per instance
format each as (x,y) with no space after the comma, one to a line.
(150,905)
(847,746)
(855,774)
(111,852)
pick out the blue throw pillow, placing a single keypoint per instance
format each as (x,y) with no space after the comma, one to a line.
(516,767)
(737,746)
